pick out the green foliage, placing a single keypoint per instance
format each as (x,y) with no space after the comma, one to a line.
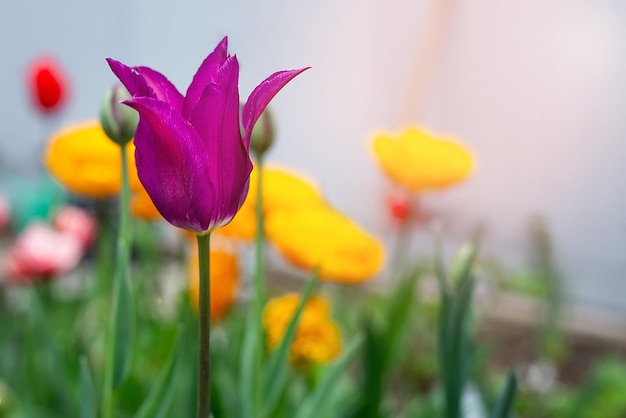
(405,356)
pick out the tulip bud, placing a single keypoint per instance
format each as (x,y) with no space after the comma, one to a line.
(118,120)
(263,133)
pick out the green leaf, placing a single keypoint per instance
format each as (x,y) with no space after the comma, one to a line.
(504,403)
(371,393)
(315,403)
(158,401)
(48,346)
(463,261)
(398,315)
(279,362)
(440,270)
(249,374)
(88,407)
(454,339)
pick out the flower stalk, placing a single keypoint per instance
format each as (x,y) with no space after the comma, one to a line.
(120,328)
(204,327)
(250,382)
(259,280)
(259,288)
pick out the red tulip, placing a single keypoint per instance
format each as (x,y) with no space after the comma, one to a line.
(47,85)
(399,205)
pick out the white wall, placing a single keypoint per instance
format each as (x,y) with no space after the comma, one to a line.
(535,88)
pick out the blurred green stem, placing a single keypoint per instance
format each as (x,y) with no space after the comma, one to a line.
(104,250)
(259,276)
(115,359)
(259,282)
(204,327)
(250,381)
(403,233)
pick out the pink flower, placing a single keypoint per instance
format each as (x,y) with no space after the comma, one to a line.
(77,222)
(41,252)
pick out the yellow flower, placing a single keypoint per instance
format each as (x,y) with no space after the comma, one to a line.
(283,189)
(86,161)
(317,339)
(420,160)
(322,237)
(224,281)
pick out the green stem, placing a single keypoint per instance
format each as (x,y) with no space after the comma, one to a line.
(252,352)
(104,248)
(259,279)
(204,328)
(116,359)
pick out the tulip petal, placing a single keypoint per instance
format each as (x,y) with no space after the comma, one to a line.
(216,120)
(206,74)
(162,87)
(172,165)
(261,96)
(131,79)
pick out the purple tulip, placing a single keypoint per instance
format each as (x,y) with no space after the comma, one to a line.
(190,154)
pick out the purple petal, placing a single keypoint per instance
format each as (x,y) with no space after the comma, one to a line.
(162,87)
(131,79)
(172,165)
(261,96)
(216,120)
(206,74)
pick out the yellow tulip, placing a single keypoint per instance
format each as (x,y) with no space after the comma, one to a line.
(283,189)
(419,160)
(317,339)
(86,161)
(320,237)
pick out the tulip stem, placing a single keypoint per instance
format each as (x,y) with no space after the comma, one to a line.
(104,248)
(259,291)
(252,352)
(120,328)
(259,281)
(204,328)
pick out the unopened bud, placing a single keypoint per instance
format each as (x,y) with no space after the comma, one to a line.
(263,133)
(118,120)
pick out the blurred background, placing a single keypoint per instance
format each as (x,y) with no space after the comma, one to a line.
(534,88)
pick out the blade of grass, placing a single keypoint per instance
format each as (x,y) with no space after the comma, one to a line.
(440,270)
(504,403)
(398,315)
(88,406)
(455,344)
(316,402)
(159,399)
